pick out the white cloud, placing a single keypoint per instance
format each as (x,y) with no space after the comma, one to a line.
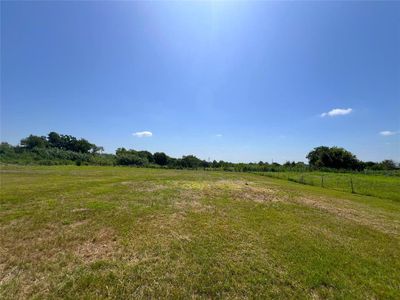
(141,134)
(218,135)
(337,112)
(387,133)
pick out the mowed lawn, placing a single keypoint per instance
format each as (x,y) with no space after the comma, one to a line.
(113,232)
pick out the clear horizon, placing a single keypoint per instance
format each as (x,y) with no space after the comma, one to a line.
(232,81)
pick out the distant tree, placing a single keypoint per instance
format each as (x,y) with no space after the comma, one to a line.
(82,146)
(319,157)
(205,164)
(370,164)
(287,164)
(173,162)
(160,158)
(191,161)
(68,142)
(120,151)
(34,141)
(146,155)
(388,164)
(215,164)
(130,160)
(334,157)
(55,140)
(6,148)
(130,157)
(300,164)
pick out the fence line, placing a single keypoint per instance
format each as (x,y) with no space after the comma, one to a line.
(370,185)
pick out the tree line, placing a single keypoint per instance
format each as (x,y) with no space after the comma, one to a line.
(63,149)
(60,141)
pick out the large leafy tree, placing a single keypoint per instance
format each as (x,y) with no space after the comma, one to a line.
(332,157)
(388,164)
(160,158)
(34,141)
(60,141)
(146,155)
(130,158)
(55,140)
(81,145)
(191,161)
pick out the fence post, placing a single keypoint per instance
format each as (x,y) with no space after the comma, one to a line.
(351,184)
(322,180)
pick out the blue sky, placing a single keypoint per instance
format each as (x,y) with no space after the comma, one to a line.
(239,81)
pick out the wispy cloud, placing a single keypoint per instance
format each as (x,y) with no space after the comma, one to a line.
(337,112)
(141,134)
(218,135)
(388,133)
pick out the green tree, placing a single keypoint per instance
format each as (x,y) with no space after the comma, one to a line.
(388,164)
(146,155)
(215,164)
(55,140)
(6,149)
(129,158)
(191,161)
(34,141)
(160,158)
(82,145)
(334,157)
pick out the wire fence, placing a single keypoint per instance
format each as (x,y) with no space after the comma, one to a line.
(371,185)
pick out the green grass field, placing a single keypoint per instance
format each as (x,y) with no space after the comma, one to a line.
(377,185)
(110,232)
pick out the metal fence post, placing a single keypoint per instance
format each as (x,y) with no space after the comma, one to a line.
(351,184)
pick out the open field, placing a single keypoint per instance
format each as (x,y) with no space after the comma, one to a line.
(377,185)
(113,232)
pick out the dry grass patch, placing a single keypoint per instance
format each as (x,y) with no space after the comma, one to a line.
(195,196)
(28,259)
(236,189)
(191,200)
(351,211)
(250,191)
(159,229)
(142,186)
(258,194)
(103,246)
